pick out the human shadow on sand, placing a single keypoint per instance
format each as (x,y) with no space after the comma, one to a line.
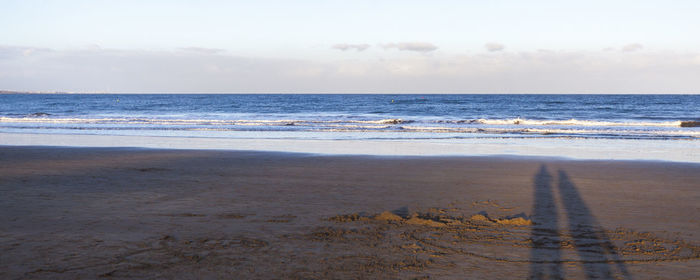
(596,254)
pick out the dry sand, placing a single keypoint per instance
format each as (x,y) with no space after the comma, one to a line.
(126,213)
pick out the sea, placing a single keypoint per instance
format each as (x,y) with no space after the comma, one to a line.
(404,117)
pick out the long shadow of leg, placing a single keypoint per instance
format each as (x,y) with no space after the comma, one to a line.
(592,243)
(545,253)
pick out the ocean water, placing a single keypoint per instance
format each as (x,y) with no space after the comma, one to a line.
(357,117)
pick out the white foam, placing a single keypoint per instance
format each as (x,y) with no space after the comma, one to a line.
(384,121)
(516,121)
(575,122)
(572,127)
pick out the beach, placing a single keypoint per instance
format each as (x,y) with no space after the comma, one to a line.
(180,214)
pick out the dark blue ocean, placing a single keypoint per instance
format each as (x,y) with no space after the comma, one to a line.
(348,116)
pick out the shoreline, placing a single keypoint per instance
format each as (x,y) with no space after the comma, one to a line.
(167,213)
(572,149)
(290,154)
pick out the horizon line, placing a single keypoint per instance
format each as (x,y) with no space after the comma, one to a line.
(9,92)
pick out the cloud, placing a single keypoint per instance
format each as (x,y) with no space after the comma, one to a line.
(494,47)
(412,46)
(345,47)
(546,71)
(203,50)
(10,52)
(632,47)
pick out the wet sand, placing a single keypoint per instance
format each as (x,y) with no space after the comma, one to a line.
(136,213)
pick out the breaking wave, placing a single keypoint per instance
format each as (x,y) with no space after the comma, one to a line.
(570,122)
(517,126)
(44,118)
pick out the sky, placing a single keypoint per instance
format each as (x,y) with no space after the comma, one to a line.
(264,46)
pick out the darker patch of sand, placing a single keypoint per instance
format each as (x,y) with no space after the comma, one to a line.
(231,216)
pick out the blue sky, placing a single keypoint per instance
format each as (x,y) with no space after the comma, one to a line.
(350,46)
